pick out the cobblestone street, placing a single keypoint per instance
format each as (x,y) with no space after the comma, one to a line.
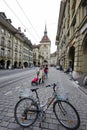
(9,97)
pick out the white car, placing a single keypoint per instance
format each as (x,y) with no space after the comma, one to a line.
(57,67)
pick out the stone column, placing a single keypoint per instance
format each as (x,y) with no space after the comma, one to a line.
(78,58)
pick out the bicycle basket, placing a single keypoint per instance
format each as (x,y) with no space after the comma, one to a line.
(61,93)
(25,93)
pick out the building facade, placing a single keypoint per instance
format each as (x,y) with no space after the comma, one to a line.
(53,59)
(45,47)
(71,38)
(15,48)
(27,53)
(36,60)
(41,52)
(37,57)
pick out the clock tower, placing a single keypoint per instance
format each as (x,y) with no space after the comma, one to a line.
(45,47)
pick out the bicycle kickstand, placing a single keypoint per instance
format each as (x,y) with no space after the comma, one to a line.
(42,118)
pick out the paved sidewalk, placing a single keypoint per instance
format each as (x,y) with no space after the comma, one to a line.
(76,97)
(80,86)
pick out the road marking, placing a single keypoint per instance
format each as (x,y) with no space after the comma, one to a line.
(17,87)
(7,93)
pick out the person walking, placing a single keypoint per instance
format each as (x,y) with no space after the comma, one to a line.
(46,71)
(41,75)
(70,73)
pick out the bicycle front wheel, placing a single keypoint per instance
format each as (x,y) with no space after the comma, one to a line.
(26,112)
(66,114)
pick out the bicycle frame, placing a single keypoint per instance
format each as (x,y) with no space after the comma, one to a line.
(45,106)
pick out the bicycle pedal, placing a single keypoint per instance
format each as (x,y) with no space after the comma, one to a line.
(71,122)
(22,119)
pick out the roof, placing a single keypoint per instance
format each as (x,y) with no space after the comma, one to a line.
(45,37)
(36,46)
(53,54)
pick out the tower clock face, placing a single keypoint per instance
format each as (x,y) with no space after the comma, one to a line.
(45,45)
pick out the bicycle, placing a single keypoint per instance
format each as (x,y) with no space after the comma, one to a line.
(27,110)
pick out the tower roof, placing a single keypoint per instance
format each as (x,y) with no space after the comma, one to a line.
(45,37)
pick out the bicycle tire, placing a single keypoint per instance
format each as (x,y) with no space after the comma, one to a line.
(66,114)
(26,112)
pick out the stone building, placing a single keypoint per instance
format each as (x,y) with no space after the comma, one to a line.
(27,53)
(53,59)
(41,52)
(15,49)
(45,46)
(38,59)
(71,38)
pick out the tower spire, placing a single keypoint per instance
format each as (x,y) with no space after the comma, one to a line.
(45,37)
(45,32)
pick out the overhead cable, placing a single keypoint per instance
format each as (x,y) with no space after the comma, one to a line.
(18,18)
(26,17)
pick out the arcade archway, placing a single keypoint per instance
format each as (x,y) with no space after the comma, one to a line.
(8,64)
(84,52)
(15,64)
(2,64)
(25,64)
(71,56)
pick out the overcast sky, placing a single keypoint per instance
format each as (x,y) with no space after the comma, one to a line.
(32,15)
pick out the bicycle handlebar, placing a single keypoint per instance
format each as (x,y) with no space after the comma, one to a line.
(51,85)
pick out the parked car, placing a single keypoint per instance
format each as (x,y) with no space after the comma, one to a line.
(57,67)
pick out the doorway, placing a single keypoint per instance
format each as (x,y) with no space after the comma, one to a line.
(71,56)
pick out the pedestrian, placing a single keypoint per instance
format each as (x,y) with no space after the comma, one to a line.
(46,71)
(41,75)
(70,72)
(37,73)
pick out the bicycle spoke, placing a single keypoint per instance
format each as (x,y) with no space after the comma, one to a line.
(67,115)
(26,112)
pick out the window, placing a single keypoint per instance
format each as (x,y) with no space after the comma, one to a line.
(9,53)
(2,41)
(85,10)
(9,35)
(2,51)
(15,56)
(9,44)
(2,31)
(84,5)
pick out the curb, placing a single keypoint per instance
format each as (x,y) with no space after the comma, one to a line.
(82,88)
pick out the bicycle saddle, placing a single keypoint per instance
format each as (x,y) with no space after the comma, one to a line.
(34,89)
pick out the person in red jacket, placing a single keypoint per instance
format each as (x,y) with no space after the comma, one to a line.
(46,71)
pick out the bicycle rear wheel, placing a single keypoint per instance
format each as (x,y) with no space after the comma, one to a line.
(66,114)
(26,112)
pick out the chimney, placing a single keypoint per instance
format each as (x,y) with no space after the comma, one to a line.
(9,21)
(19,29)
(3,15)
